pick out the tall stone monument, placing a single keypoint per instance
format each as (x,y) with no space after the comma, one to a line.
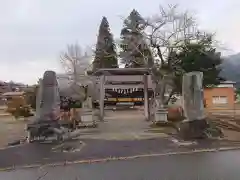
(48,98)
(192,91)
(193,96)
(45,123)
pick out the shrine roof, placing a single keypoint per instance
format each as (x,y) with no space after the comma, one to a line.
(122,71)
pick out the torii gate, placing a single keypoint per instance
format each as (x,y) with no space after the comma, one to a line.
(124,78)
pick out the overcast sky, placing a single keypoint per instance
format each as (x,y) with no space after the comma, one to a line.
(34,32)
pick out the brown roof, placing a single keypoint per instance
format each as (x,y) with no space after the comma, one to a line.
(13,93)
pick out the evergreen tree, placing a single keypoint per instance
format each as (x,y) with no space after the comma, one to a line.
(105,54)
(134,50)
(200,56)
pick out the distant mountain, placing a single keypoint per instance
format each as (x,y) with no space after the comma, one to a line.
(231,68)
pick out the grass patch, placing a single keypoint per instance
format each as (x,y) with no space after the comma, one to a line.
(163,127)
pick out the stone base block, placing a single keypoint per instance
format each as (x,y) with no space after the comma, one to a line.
(161,115)
(87,116)
(193,129)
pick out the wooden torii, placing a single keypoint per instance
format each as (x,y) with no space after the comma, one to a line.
(123,78)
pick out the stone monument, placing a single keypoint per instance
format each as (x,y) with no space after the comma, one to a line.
(48,98)
(193,96)
(195,123)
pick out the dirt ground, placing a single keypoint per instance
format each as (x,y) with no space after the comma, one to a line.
(124,125)
(117,125)
(228,121)
(231,135)
(11,130)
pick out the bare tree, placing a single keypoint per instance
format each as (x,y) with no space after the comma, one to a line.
(76,62)
(165,33)
(168,30)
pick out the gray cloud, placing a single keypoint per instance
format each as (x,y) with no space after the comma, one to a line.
(33,32)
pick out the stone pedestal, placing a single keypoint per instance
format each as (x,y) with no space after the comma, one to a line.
(87,112)
(161,115)
(87,115)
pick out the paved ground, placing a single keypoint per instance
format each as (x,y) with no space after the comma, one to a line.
(196,166)
(124,133)
(90,149)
